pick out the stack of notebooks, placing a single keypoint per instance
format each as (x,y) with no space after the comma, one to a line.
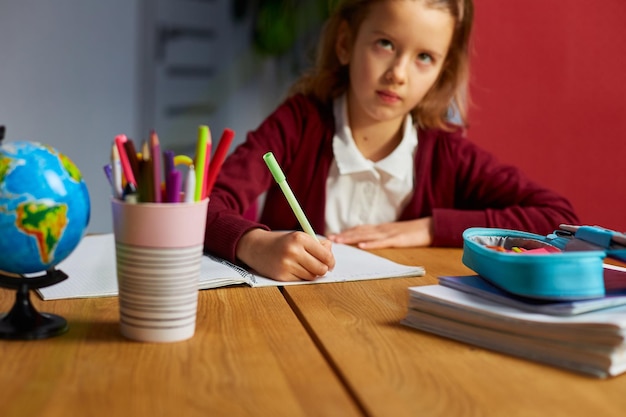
(585,336)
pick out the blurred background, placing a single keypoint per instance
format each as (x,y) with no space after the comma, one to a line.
(546,83)
(75,73)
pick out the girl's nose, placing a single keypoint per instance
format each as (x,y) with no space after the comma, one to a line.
(397,71)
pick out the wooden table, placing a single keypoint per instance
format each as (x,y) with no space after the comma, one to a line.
(250,356)
(393,370)
(311,350)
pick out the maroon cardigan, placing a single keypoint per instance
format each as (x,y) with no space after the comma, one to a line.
(457,183)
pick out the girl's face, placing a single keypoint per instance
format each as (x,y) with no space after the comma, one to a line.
(396,57)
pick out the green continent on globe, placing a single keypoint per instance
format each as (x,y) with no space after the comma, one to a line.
(66,163)
(46,223)
(71,168)
(5,167)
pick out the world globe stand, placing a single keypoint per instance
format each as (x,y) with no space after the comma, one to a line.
(24,322)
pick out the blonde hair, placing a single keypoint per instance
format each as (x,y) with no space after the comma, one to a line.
(329,78)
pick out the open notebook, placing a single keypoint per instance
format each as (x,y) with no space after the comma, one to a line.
(92,272)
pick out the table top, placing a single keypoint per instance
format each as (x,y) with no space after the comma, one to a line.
(311,350)
(250,356)
(394,370)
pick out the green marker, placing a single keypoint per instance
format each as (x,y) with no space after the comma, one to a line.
(280,178)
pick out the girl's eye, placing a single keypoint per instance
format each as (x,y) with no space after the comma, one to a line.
(385,44)
(425,58)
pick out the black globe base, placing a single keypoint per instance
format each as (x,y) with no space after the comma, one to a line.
(23,321)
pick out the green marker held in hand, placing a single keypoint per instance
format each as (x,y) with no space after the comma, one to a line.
(280,178)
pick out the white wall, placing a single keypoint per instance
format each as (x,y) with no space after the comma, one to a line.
(232,82)
(68,72)
(72,76)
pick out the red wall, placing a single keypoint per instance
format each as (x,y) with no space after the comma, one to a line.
(549,95)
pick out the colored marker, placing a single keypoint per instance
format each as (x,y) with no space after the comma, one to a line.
(155,153)
(108,171)
(116,172)
(126,168)
(168,168)
(173,185)
(190,185)
(131,196)
(183,160)
(207,164)
(218,159)
(146,171)
(204,138)
(280,178)
(133,161)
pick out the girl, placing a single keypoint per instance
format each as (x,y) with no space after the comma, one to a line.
(368,148)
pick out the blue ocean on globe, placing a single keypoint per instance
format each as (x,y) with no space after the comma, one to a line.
(44,207)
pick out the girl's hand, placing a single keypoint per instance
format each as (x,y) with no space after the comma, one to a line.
(285,256)
(388,235)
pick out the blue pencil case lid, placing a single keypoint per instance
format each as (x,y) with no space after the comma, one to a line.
(532,265)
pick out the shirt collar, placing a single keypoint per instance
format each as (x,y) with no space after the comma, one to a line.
(350,160)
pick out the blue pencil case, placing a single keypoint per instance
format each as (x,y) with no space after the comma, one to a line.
(535,266)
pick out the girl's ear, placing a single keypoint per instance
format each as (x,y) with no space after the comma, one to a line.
(343,44)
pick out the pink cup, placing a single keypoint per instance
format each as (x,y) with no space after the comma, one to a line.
(158,249)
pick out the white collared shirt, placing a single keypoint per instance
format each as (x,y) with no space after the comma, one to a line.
(360,191)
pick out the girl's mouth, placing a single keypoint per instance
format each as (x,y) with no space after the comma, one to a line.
(388,96)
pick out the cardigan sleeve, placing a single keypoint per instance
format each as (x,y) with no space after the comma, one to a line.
(244,176)
(487,193)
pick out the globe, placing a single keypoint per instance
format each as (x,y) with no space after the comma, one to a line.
(44,207)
